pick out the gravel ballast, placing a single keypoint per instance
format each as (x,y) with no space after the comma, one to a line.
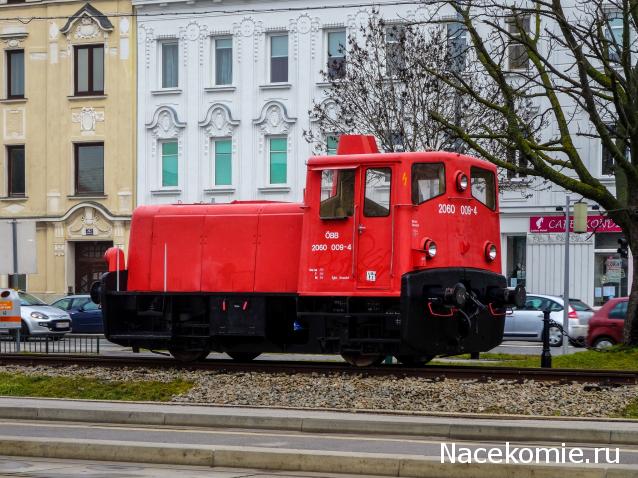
(337,391)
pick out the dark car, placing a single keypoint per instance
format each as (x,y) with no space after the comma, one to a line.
(86,316)
(606,325)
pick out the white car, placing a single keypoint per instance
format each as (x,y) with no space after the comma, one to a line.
(41,319)
(526,323)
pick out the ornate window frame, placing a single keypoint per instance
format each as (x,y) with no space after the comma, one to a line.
(165,126)
(218,124)
(274,121)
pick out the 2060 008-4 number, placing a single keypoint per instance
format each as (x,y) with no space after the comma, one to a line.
(447,208)
(468,210)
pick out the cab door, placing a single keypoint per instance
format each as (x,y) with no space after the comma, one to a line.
(374,229)
(330,246)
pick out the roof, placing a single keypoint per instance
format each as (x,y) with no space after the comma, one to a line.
(343,161)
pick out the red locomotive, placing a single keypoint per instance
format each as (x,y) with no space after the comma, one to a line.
(389,254)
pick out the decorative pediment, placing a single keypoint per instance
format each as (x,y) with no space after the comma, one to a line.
(329,107)
(165,123)
(87,23)
(274,119)
(218,121)
(88,222)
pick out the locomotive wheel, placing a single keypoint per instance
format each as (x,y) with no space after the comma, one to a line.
(414,360)
(243,356)
(360,360)
(188,355)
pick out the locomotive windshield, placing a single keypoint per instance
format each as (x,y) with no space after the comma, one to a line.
(377,192)
(484,186)
(428,181)
(337,193)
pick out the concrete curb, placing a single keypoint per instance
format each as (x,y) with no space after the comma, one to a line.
(439,427)
(294,460)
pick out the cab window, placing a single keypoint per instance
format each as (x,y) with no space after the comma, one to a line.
(484,186)
(428,181)
(377,192)
(337,193)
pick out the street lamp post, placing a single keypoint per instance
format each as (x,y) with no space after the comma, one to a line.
(566,283)
(13,278)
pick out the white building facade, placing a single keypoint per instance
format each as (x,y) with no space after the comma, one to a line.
(224,90)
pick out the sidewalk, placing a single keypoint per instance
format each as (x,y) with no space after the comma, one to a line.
(483,427)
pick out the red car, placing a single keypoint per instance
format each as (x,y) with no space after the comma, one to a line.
(606,325)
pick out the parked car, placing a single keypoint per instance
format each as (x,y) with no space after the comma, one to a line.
(606,326)
(526,323)
(40,319)
(86,316)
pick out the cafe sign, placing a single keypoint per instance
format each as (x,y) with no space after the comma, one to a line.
(557,224)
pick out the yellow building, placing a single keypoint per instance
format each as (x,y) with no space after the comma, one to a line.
(67,125)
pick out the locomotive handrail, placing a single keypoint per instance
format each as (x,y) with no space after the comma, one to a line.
(354,243)
(392,247)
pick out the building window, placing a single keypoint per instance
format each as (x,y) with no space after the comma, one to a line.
(332,141)
(607,165)
(457,45)
(518,159)
(15,74)
(89,70)
(15,171)
(336,54)
(607,159)
(223,61)
(614,34)
(516,260)
(89,169)
(223,162)
(18,281)
(278,151)
(169,164)
(170,64)
(518,59)
(394,49)
(278,58)
(611,272)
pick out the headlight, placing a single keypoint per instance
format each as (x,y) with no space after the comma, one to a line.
(490,251)
(430,248)
(461,181)
(39,315)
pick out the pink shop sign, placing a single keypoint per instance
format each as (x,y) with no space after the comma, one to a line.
(557,224)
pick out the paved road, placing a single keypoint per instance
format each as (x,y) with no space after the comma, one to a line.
(49,468)
(508,347)
(269,439)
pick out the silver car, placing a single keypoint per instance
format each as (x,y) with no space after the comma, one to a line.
(526,323)
(39,318)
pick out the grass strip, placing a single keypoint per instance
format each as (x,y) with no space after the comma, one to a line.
(90,388)
(614,358)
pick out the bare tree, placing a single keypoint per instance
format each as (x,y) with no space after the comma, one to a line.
(576,62)
(384,88)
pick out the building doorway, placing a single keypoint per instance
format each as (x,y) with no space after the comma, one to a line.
(89,263)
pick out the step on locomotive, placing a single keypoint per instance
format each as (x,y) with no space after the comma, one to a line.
(388,254)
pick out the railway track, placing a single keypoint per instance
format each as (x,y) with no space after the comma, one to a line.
(435,372)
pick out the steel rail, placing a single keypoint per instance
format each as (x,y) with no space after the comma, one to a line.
(431,371)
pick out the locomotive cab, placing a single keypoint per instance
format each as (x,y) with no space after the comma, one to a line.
(405,245)
(389,254)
